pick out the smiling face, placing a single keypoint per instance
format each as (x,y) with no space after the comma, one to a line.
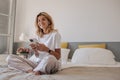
(43,22)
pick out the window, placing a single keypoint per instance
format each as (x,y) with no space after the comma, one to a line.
(7,12)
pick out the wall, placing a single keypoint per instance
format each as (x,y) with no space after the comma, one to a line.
(76,20)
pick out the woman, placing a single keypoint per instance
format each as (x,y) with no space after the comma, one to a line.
(46,51)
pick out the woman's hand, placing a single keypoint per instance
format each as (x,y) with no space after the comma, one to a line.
(42,47)
(39,46)
(34,48)
(22,49)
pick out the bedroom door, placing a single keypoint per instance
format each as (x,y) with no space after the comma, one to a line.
(7,12)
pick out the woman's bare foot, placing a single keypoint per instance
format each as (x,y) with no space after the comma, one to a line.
(29,71)
(37,72)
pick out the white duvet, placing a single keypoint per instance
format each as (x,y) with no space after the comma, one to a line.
(70,64)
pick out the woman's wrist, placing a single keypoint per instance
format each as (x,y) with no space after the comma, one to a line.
(49,51)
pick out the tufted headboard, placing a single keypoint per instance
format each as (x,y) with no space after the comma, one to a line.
(113,46)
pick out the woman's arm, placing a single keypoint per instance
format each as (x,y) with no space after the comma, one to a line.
(42,47)
(56,53)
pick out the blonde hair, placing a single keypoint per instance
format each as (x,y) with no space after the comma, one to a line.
(50,27)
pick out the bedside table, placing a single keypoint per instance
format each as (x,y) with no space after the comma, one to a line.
(17,45)
(24,55)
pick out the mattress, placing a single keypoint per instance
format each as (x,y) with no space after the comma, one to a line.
(70,73)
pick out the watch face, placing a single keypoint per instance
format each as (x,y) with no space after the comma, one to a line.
(49,51)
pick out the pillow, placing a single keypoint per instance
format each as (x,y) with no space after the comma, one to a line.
(64,45)
(93,56)
(64,55)
(80,56)
(101,56)
(93,46)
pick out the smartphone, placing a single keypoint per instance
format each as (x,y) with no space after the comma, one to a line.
(33,40)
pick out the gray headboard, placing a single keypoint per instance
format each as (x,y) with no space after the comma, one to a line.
(113,46)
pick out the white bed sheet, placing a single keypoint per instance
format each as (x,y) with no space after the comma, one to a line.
(70,64)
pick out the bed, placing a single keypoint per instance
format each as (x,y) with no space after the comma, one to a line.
(86,64)
(71,73)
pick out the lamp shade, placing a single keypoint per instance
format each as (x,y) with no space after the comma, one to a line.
(23,37)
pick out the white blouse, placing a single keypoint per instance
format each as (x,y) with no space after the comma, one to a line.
(51,40)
